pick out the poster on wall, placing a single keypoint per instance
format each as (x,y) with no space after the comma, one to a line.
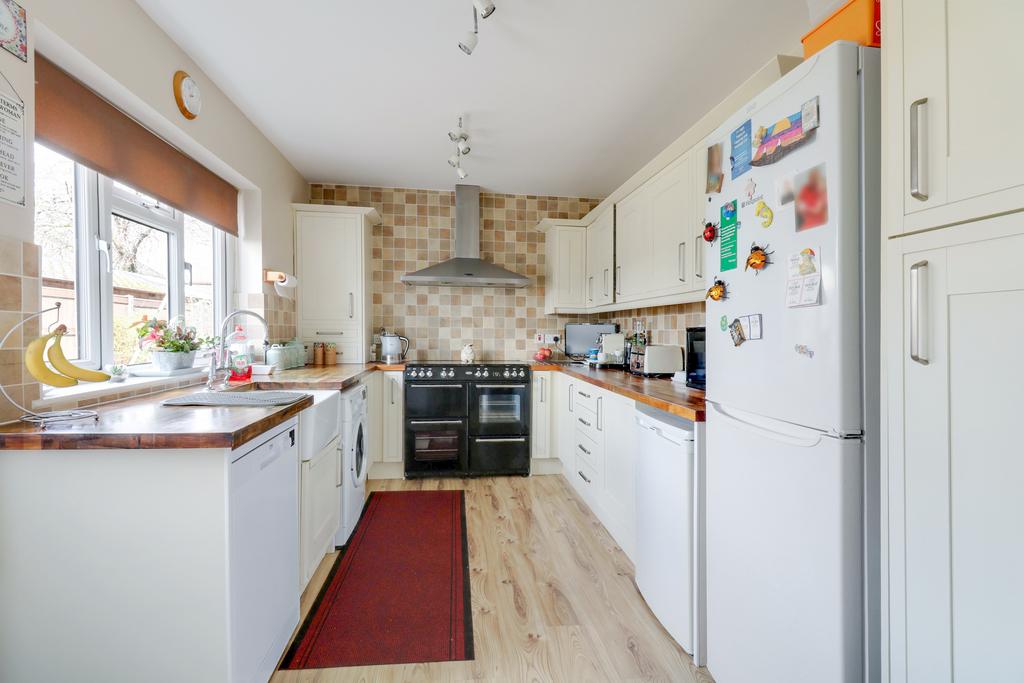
(14,29)
(739,154)
(12,144)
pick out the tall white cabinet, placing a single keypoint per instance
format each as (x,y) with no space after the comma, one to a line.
(601,260)
(565,266)
(953,292)
(333,247)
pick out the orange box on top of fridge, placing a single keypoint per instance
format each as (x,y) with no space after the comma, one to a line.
(858,21)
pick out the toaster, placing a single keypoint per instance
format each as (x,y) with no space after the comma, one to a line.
(662,360)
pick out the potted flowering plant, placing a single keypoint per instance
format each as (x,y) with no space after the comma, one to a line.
(174,345)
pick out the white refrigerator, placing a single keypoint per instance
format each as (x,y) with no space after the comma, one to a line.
(792,387)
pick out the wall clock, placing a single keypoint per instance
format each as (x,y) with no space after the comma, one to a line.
(187,95)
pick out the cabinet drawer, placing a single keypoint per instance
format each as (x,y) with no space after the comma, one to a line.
(588,449)
(587,423)
(586,479)
(329,331)
(585,396)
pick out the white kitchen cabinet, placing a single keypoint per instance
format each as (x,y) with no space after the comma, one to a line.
(620,448)
(951,112)
(955,554)
(393,417)
(565,266)
(333,248)
(601,260)
(321,507)
(540,416)
(672,230)
(633,246)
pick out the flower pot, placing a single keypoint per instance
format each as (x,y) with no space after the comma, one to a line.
(169,361)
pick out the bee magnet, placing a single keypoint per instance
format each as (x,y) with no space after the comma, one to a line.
(759,258)
(766,215)
(717,291)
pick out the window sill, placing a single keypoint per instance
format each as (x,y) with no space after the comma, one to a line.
(104,392)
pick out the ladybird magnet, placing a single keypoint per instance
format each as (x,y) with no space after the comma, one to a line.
(717,291)
(710,232)
(759,258)
(764,212)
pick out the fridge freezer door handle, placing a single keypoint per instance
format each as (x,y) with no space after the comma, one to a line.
(918,295)
(806,438)
(918,150)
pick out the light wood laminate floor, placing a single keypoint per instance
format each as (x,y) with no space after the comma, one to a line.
(553,596)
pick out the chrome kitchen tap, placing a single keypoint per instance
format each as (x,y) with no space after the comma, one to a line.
(219,362)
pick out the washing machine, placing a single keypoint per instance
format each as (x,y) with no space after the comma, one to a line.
(354,460)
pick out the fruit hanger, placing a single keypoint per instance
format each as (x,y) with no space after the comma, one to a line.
(53,416)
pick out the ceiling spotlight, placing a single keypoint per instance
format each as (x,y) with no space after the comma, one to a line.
(453,161)
(461,173)
(484,7)
(468,43)
(463,147)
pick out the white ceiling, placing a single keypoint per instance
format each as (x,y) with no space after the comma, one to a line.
(561,97)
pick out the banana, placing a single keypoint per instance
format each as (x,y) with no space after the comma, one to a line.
(62,365)
(37,366)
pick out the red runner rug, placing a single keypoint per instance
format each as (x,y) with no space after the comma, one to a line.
(398,592)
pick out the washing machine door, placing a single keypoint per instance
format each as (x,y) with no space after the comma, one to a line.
(360,465)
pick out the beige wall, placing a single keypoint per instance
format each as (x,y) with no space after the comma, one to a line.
(115,48)
(417,232)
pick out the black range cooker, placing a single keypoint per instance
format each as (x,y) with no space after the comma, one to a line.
(467,420)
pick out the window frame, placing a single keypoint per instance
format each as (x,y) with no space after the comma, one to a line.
(97,200)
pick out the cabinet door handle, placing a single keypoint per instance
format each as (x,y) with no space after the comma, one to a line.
(572,392)
(918,297)
(584,395)
(351,305)
(590,288)
(331,334)
(605,289)
(918,150)
(583,476)
(682,261)
(599,399)
(698,258)
(543,382)
(618,280)
(581,447)
(583,422)
(391,388)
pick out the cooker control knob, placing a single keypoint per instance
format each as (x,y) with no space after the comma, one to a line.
(430,373)
(522,372)
(506,373)
(486,373)
(477,373)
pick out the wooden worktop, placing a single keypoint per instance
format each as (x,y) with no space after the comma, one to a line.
(663,394)
(144,423)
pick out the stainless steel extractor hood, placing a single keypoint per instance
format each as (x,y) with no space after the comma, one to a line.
(467,269)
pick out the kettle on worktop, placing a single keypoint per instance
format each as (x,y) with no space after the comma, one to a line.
(391,347)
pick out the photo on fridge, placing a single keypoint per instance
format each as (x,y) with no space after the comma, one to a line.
(715,176)
(811,198)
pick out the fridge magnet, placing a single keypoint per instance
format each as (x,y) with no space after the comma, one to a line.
(715,176)
(759,258)
(724,323)
(775,142)
(803,286)
(14,29)
(811,198)
(727,234)
(716,292)
(750,193)
(736,332)
(784,190)
(710,232)
(809,115)
(750,326)
(739,156)
(762,211)
(804,350)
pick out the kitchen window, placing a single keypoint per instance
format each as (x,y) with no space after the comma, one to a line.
(111,255)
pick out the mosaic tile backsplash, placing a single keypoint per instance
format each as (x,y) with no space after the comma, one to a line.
(417,231)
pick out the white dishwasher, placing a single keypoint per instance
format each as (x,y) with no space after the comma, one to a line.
(665,520)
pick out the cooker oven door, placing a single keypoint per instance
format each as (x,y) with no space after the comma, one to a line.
(435,400)
(434,447)
(499,410)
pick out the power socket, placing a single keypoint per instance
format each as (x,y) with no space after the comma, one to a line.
(541,338)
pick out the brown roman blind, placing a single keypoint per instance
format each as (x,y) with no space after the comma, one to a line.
(78,123)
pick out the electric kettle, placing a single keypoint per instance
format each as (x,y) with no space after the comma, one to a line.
(391,349)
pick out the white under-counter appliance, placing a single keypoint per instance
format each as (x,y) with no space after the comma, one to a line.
(665,519)
(792,385)
(354,466)
(320,457)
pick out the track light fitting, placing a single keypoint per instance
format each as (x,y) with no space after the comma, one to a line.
(484,7)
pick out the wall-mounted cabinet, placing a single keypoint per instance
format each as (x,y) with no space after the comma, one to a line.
(601,261)
(332,249)
(565,266)
(941,63)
